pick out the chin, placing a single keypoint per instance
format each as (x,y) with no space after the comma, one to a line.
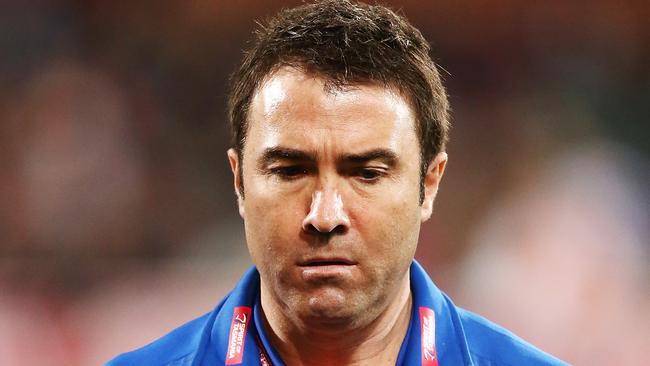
(331,309)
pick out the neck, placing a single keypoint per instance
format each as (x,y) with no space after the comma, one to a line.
(374,342)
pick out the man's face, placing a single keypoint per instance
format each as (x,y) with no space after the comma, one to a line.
(332,208)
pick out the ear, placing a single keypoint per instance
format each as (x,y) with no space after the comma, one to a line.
(431,181)
(233,157)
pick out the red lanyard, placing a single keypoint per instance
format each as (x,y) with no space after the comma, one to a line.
(265,360)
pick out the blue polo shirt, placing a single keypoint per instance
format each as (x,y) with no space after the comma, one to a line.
(439,334)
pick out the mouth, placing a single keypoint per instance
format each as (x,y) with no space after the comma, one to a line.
(328,269)
(319,262)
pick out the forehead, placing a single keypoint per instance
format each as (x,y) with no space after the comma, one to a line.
(295,108)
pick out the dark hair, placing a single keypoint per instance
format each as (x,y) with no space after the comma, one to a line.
(346,43)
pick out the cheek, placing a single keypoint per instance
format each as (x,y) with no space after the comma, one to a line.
(405,228)
(272,224)
(391,229)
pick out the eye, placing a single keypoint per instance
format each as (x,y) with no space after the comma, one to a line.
(370,175)
(289,172)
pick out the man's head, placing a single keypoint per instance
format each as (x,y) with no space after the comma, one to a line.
(334,111)
(346,43)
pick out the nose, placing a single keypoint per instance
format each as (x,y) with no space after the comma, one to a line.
(326,214)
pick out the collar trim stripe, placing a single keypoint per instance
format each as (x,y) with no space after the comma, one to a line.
(237,339)
(428,336)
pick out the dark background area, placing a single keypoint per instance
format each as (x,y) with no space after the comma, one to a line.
(117,214)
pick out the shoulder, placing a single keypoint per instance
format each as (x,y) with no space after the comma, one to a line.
(178,347)
(491,344)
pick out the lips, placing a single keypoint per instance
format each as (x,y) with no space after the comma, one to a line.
(326,261)
(327,270)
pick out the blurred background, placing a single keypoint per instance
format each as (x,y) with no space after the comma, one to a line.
(118,219)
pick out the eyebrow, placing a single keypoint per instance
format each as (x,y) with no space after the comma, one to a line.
(273,154)
(386,156)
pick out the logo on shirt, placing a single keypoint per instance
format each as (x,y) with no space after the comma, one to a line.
(238,326)
(428,336)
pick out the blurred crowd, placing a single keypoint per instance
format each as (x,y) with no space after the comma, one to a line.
(117,214)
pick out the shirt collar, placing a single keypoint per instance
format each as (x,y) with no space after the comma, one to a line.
(449,341)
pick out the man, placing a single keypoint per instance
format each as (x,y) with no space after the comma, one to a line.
(340,122)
